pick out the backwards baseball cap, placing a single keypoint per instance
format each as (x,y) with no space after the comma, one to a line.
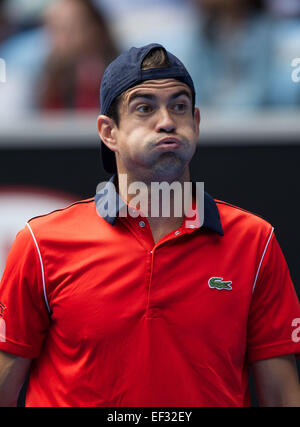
(125,72)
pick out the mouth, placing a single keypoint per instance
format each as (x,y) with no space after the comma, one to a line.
(168,142)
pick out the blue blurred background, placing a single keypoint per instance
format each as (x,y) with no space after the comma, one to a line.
(238,52)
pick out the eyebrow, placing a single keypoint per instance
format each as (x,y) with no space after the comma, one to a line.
(152,97)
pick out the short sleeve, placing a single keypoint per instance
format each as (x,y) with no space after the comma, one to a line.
(24,317)
(274,310)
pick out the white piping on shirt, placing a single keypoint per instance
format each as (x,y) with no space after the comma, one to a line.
(42,266)
(267,244)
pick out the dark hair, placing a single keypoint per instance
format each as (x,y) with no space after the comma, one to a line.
(156,58)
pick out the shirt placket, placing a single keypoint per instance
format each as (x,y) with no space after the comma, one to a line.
(140,227)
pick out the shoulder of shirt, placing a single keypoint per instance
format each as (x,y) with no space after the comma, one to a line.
(62,213)
(229,212)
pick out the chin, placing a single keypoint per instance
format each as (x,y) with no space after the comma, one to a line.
(170,168)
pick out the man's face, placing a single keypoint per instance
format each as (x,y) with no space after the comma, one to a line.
(157,132)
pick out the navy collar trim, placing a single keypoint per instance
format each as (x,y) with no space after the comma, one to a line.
(107,198)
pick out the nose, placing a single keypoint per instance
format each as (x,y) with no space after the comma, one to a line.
(165,121)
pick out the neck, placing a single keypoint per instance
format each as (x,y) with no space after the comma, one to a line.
(163,199)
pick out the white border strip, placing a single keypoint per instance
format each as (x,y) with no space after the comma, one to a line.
(267,127)
(42,267)
(267,244)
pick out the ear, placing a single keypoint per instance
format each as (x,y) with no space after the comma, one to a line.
(107,131)
(197,119)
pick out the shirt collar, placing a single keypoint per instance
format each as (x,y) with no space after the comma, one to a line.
(109,203)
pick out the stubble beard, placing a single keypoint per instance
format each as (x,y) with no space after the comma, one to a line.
(155,166)
(169,167)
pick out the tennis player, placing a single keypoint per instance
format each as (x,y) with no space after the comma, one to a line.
(105,305)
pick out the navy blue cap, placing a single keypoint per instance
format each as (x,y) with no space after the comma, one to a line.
(125,72)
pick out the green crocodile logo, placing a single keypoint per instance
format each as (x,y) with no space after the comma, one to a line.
(218,283)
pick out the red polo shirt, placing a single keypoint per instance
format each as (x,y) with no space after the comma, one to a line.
(112,319)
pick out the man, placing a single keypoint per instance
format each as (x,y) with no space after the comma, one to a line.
(110,306)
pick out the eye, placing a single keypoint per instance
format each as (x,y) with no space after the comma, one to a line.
(180,107)
(144,108)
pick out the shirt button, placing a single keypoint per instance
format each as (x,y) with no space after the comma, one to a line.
(142,224)
(177,232)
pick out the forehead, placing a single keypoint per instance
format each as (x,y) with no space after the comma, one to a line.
(166,87)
